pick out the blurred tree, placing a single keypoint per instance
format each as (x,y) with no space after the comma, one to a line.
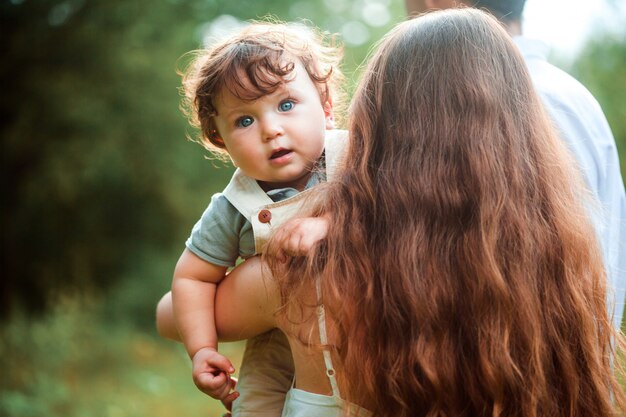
(98,181)
(602,68)
(91,136)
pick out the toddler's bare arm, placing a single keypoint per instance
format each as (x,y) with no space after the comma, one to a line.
(193,302)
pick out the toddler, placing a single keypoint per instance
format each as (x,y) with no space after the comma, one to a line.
(264,98)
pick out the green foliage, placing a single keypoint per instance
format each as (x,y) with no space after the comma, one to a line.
(89,148)
(75,362)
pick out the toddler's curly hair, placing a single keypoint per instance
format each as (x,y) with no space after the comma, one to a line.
(265,52)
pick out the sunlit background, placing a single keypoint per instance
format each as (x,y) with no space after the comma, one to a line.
(566,25)
(100,185)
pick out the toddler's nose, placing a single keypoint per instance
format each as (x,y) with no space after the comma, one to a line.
(272,129)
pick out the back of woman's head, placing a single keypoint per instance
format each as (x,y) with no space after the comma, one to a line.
(461,272)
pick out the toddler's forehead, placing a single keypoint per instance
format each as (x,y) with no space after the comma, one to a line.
(249,83)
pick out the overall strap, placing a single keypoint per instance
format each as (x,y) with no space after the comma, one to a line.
(245,194)
(321,319)
(265,215)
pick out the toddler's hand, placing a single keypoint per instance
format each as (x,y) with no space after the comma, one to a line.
(228,401)
(211,374)
(296,237)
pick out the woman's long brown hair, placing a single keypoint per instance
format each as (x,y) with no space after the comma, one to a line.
(461,272)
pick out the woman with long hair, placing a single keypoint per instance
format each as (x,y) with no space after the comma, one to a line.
(460,275)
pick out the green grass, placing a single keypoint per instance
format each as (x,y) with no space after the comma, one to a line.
(75,363)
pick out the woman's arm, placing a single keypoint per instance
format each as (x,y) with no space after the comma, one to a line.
(246,302)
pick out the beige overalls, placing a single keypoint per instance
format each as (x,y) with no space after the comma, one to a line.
(266,372)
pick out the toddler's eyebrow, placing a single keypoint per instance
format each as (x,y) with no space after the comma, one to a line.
(229,113)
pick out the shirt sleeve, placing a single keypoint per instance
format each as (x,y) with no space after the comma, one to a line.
(215,237)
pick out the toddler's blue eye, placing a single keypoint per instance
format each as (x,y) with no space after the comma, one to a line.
(244,121)
(286,105)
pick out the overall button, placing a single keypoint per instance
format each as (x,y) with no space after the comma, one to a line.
(265,216)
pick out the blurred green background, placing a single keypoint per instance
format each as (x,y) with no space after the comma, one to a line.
(100,187)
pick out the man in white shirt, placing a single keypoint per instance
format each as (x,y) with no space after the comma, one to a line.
(581,124)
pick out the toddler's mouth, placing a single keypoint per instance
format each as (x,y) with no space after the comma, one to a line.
(277,153)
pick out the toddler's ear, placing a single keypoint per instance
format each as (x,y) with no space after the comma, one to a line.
(329,114)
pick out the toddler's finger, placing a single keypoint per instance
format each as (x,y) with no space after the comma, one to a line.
(294,244)
(209,383)
(222,363)
(307,243)
(281,256)
(223,392)
(228,400)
